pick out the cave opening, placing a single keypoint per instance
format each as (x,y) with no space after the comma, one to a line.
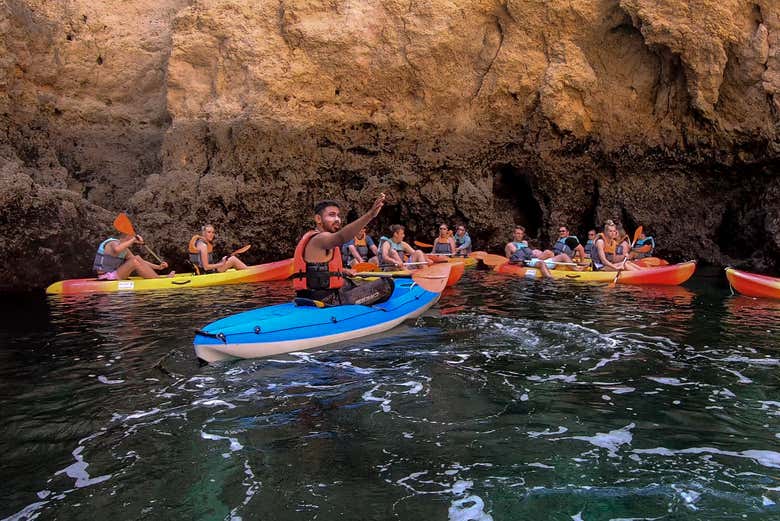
(514,194)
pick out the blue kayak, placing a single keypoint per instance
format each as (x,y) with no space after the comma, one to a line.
(290,327)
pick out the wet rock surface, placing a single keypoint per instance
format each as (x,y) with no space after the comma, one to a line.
(242,114)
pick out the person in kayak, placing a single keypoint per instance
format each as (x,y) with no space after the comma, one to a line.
(201,250)
(462,242)
(519,252)
(115,261)
(394,252)
(319,271)
(643,248)
(605,254)
(568,244)
(588,248)
(360,249)
(444,243)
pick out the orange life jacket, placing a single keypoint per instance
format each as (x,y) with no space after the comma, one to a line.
(610,247)
(192,248)
(311,275)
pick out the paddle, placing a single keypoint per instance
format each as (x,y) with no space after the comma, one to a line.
(123,225)
(433,278)
(493,260)
(637,233)
(423,244)
(242,249)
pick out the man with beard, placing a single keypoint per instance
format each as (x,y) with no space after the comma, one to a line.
(319,272)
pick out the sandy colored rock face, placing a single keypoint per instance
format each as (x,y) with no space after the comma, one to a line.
(243,113)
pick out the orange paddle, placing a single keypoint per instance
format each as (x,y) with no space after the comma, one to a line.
(242,249)
(123,225)
(433,278)
(637,233)
(423,244)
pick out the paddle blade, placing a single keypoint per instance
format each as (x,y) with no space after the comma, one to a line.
(494,260)
(479,255)
(423,244)
(637,233)
(242,249)
(365,266)
(433,278)
(123,225)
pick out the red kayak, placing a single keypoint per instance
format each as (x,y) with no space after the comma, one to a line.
(752,284)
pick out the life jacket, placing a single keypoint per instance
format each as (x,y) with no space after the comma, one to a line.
(561,247)
(589,248)
(105,263)
(644,247)
(610,250)
(441,247)
(460,241)
(192,248)
(361,245)
(397,246)
(522,253)
(316,275)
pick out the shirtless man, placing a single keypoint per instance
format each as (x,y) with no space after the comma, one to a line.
(115,261)
(201,253)
(319,272)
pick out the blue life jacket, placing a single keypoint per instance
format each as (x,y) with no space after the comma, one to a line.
(522,253)
(589,248)
(561,246)
(105,263)
(644,242)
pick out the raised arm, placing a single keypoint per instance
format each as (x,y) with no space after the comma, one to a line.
(327,240)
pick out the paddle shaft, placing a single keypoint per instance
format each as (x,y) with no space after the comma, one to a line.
(637,233)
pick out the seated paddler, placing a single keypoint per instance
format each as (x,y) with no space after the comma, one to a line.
(360,249)
(644,247)
(201,250)
(444,242)
(115,261)
(462,241)
(568,244)
(394,252)
(319,271)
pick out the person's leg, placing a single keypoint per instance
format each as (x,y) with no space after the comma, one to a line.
(144,268)
(544,269)
(126,269)
(367,293)
(232,262)
(418,256)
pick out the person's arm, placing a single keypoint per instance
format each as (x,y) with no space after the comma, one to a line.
(602,256)
(390,255)
(466,243)
(509,249)
(354,253)
(407,249)
(114,248)
(371,246)
(453,249)
(327,240)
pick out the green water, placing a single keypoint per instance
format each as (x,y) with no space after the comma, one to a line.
(512,399)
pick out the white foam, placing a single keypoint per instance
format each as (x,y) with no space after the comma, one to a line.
(765,458)
(104,380)
(78,470)
(742,378)
(547,432)
(611,440)
(469,508)
(234,444)
(667,381)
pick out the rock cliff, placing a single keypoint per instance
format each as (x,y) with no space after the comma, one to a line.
(664,113)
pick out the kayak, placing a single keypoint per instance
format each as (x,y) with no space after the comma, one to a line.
(279,270)
(468,262)
(670,275)
(752,284)
(456,272)
(651,262)
(299,325)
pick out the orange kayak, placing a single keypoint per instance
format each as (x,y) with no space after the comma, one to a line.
(279,270)
(752,284)
(671,275)
(651,262)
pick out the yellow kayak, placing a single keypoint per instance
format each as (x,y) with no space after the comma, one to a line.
(279,270)
(467,261)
